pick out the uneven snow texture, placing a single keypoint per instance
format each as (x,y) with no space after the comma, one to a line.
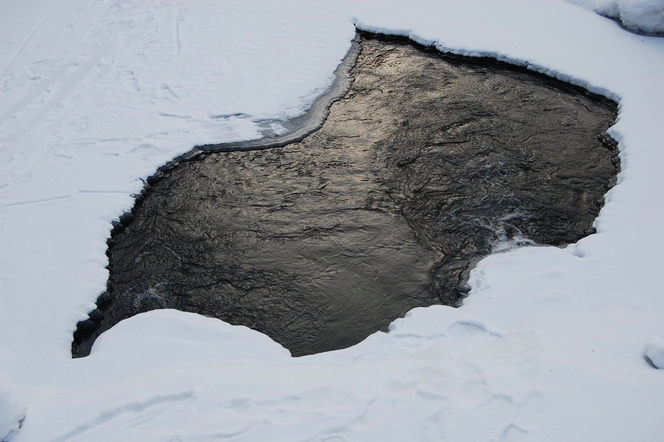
(96,94)
(11,414)
(638,15)
(654,351)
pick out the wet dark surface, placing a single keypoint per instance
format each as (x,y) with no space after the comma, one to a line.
(427,164)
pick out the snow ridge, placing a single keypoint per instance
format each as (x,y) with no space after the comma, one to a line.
(644,16)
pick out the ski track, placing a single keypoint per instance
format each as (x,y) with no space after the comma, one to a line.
(53,90)
(27,40)
(147,409)
(41,201)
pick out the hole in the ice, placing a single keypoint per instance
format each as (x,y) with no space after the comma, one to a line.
(425,164)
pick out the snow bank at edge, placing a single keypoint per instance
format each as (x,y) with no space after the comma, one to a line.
(637,15)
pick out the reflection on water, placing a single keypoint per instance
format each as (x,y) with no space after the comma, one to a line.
(425,165)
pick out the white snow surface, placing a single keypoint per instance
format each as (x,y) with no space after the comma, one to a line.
(95,95)
(11,414)
(638,15)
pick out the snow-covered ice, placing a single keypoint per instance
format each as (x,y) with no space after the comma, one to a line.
(95,95)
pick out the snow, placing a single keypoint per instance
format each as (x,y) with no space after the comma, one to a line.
(550,345)
(637,15)
(11,414)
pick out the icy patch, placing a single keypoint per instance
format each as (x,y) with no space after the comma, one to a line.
(654,353)
(637,15)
